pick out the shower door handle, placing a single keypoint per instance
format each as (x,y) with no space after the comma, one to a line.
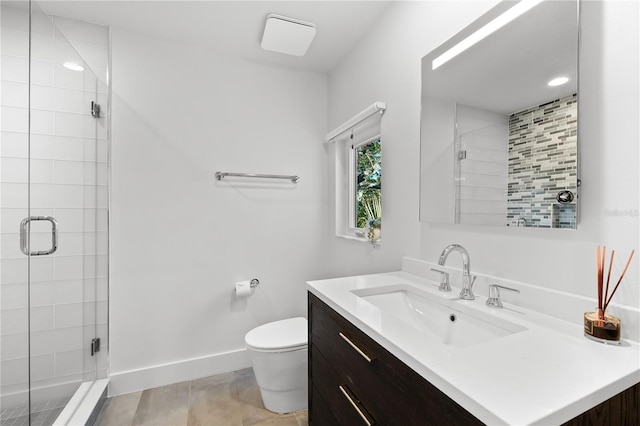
(24,243)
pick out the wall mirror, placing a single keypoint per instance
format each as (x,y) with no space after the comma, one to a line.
(498,138)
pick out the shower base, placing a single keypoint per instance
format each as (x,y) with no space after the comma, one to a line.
(80,409)
(42,413)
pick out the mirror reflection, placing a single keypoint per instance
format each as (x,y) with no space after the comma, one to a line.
(499,121)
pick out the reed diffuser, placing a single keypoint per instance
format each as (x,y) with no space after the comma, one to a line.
(599,325)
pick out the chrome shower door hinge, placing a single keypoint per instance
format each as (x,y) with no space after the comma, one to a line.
(462,155)
(95,346)
(95,109)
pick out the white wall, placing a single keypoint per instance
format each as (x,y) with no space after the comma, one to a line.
(437,167)
(382,68)
(180,239)
(385,66)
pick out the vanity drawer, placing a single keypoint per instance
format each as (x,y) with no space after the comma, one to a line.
(322,414)
(345,405)
(386,387)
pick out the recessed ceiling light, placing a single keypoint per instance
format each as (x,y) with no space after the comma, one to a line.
(287,35)
(73,66)
(558,81)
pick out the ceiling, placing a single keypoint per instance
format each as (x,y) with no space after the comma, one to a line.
(235,27)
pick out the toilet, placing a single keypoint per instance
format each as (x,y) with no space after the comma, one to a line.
(278,353)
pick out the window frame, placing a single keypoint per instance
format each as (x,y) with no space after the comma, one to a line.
(363,128)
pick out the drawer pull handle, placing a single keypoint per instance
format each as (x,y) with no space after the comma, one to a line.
(353,403)
(357,349)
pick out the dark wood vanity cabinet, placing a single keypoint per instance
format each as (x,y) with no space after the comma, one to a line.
(355,381)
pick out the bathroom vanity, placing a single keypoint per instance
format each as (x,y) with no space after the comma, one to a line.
(354,380)
(369,363)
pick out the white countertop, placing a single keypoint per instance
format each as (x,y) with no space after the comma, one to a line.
(545,375)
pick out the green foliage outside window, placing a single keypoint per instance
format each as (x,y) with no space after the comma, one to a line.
(368,184)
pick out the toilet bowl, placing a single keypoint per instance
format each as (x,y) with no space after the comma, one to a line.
(278,352)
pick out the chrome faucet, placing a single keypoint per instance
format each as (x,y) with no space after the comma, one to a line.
(467,281)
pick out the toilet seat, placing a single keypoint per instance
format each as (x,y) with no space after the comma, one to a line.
(279,336)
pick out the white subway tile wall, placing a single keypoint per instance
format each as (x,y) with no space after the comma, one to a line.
(482,173)
(68,180)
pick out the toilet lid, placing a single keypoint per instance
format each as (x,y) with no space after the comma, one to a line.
(284,334)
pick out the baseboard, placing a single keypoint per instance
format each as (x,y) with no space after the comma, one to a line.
(180,371)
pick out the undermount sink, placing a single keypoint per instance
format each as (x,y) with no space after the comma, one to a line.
(448,320)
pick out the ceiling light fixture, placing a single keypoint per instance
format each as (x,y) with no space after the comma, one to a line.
(493,26)
(287,35)
(73,66)
(558,81)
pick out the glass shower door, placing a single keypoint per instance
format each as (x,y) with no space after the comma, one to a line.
(54,217)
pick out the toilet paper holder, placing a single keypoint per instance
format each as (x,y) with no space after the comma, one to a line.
(254,283)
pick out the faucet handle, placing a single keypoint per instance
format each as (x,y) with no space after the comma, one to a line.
(444,280)
(494,295)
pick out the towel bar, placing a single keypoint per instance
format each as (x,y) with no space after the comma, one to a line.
(292,178)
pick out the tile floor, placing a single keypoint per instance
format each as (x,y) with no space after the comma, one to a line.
(231,399)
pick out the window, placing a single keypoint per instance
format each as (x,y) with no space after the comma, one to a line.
(365,194)
(357,145)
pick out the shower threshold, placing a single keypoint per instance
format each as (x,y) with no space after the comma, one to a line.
(85,404)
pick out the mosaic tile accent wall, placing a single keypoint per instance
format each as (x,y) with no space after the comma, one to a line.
(543,162)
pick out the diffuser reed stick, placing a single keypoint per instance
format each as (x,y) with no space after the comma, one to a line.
(599,276)
(619,280)
(606,290)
